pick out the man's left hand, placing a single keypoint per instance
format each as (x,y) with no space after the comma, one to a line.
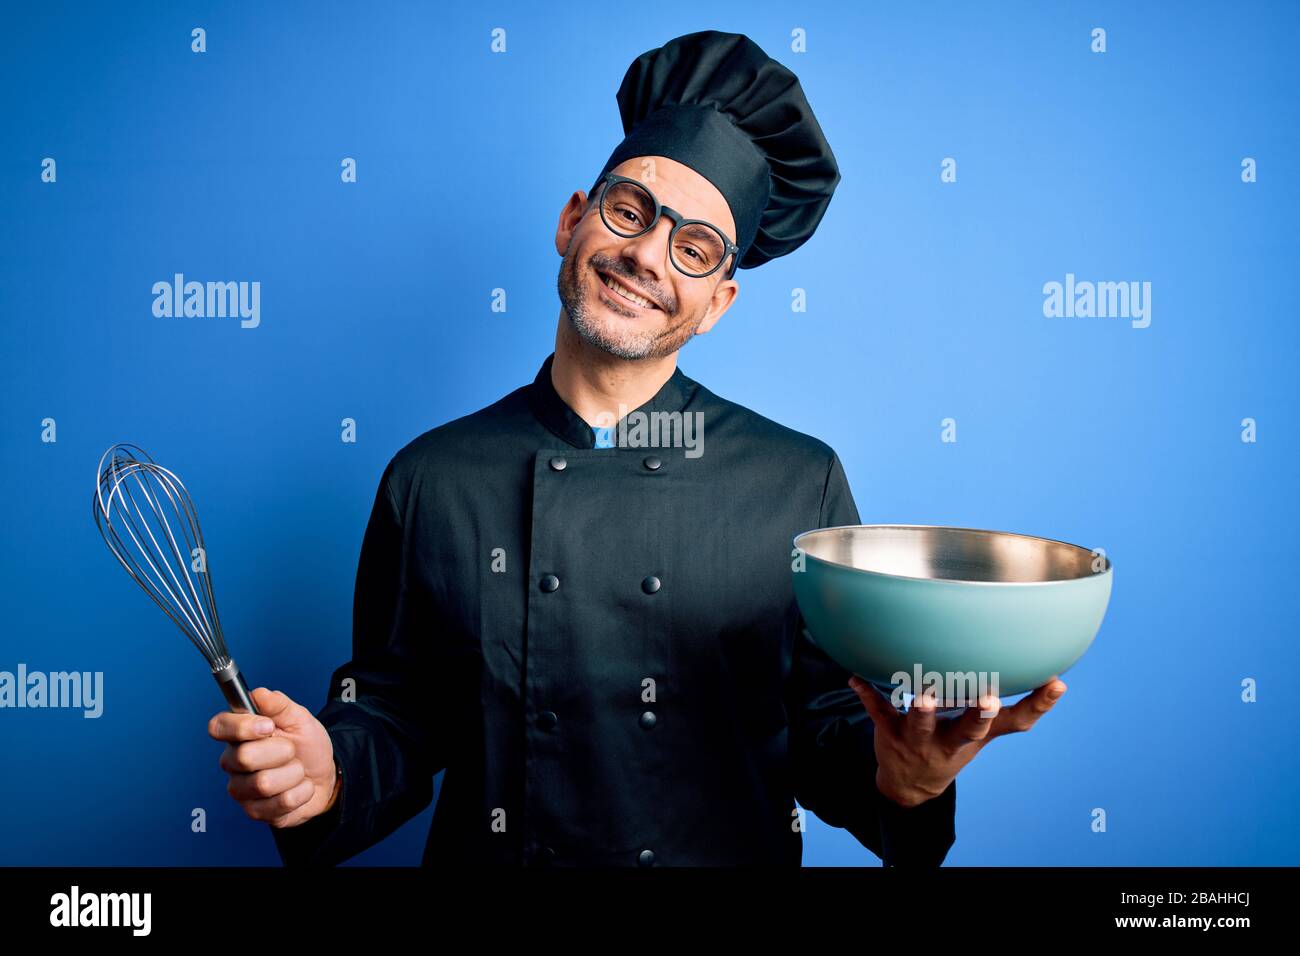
(918,755)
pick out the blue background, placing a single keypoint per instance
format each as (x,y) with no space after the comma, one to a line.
(925,302)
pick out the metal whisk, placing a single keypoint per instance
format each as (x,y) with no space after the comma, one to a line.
(140,507)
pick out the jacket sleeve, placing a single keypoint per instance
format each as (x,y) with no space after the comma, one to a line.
(385,740)
(832,745)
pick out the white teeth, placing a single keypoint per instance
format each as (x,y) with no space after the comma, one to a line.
(639,300)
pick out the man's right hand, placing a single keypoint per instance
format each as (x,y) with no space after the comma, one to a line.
(283,775)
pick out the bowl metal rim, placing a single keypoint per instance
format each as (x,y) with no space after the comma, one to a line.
(942,527)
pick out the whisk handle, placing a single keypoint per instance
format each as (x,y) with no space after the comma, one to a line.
(232,685)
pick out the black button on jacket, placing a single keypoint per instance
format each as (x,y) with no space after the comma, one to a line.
(601,650)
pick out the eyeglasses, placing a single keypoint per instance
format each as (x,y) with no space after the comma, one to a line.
(695,247)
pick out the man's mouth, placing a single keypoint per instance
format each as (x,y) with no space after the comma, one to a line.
(626,293)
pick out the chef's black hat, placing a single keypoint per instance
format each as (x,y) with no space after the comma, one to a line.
(717,103)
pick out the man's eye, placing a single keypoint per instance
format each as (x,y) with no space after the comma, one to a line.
(629,215)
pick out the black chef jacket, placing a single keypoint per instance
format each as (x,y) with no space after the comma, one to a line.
(601,648)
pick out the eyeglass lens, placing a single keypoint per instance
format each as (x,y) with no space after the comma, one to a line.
(628,209)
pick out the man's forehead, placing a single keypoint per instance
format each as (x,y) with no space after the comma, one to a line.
(677,185)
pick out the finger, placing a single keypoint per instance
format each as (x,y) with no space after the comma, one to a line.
(274,807)
(257,755)
(919,723)
(975,722)
(277,705)
(1025,713)
(233,728)
(879,707)
(266,783)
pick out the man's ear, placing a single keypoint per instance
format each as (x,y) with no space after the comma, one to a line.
(570,216)
(723,297)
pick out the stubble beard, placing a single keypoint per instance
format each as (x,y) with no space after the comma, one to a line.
(606,333)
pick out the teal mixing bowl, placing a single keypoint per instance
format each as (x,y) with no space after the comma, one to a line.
(885,600)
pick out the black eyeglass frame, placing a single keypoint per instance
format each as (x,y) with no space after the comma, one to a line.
(678,221)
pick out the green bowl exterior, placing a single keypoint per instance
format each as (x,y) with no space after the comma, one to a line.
(876,625)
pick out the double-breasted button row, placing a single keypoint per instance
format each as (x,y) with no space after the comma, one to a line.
(651,463)
(550,583)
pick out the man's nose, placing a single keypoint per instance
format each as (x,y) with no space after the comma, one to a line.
(650,250)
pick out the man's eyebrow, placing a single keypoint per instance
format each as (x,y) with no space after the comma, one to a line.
(686,214)
(715,221)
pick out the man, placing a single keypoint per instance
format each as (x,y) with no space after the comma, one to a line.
(587,620)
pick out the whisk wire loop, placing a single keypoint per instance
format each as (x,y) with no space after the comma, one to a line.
(155,540)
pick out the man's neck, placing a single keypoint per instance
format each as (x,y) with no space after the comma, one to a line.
(595,384)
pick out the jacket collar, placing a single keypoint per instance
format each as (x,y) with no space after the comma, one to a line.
(552,412)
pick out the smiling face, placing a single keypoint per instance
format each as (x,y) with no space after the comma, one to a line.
(624,296)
